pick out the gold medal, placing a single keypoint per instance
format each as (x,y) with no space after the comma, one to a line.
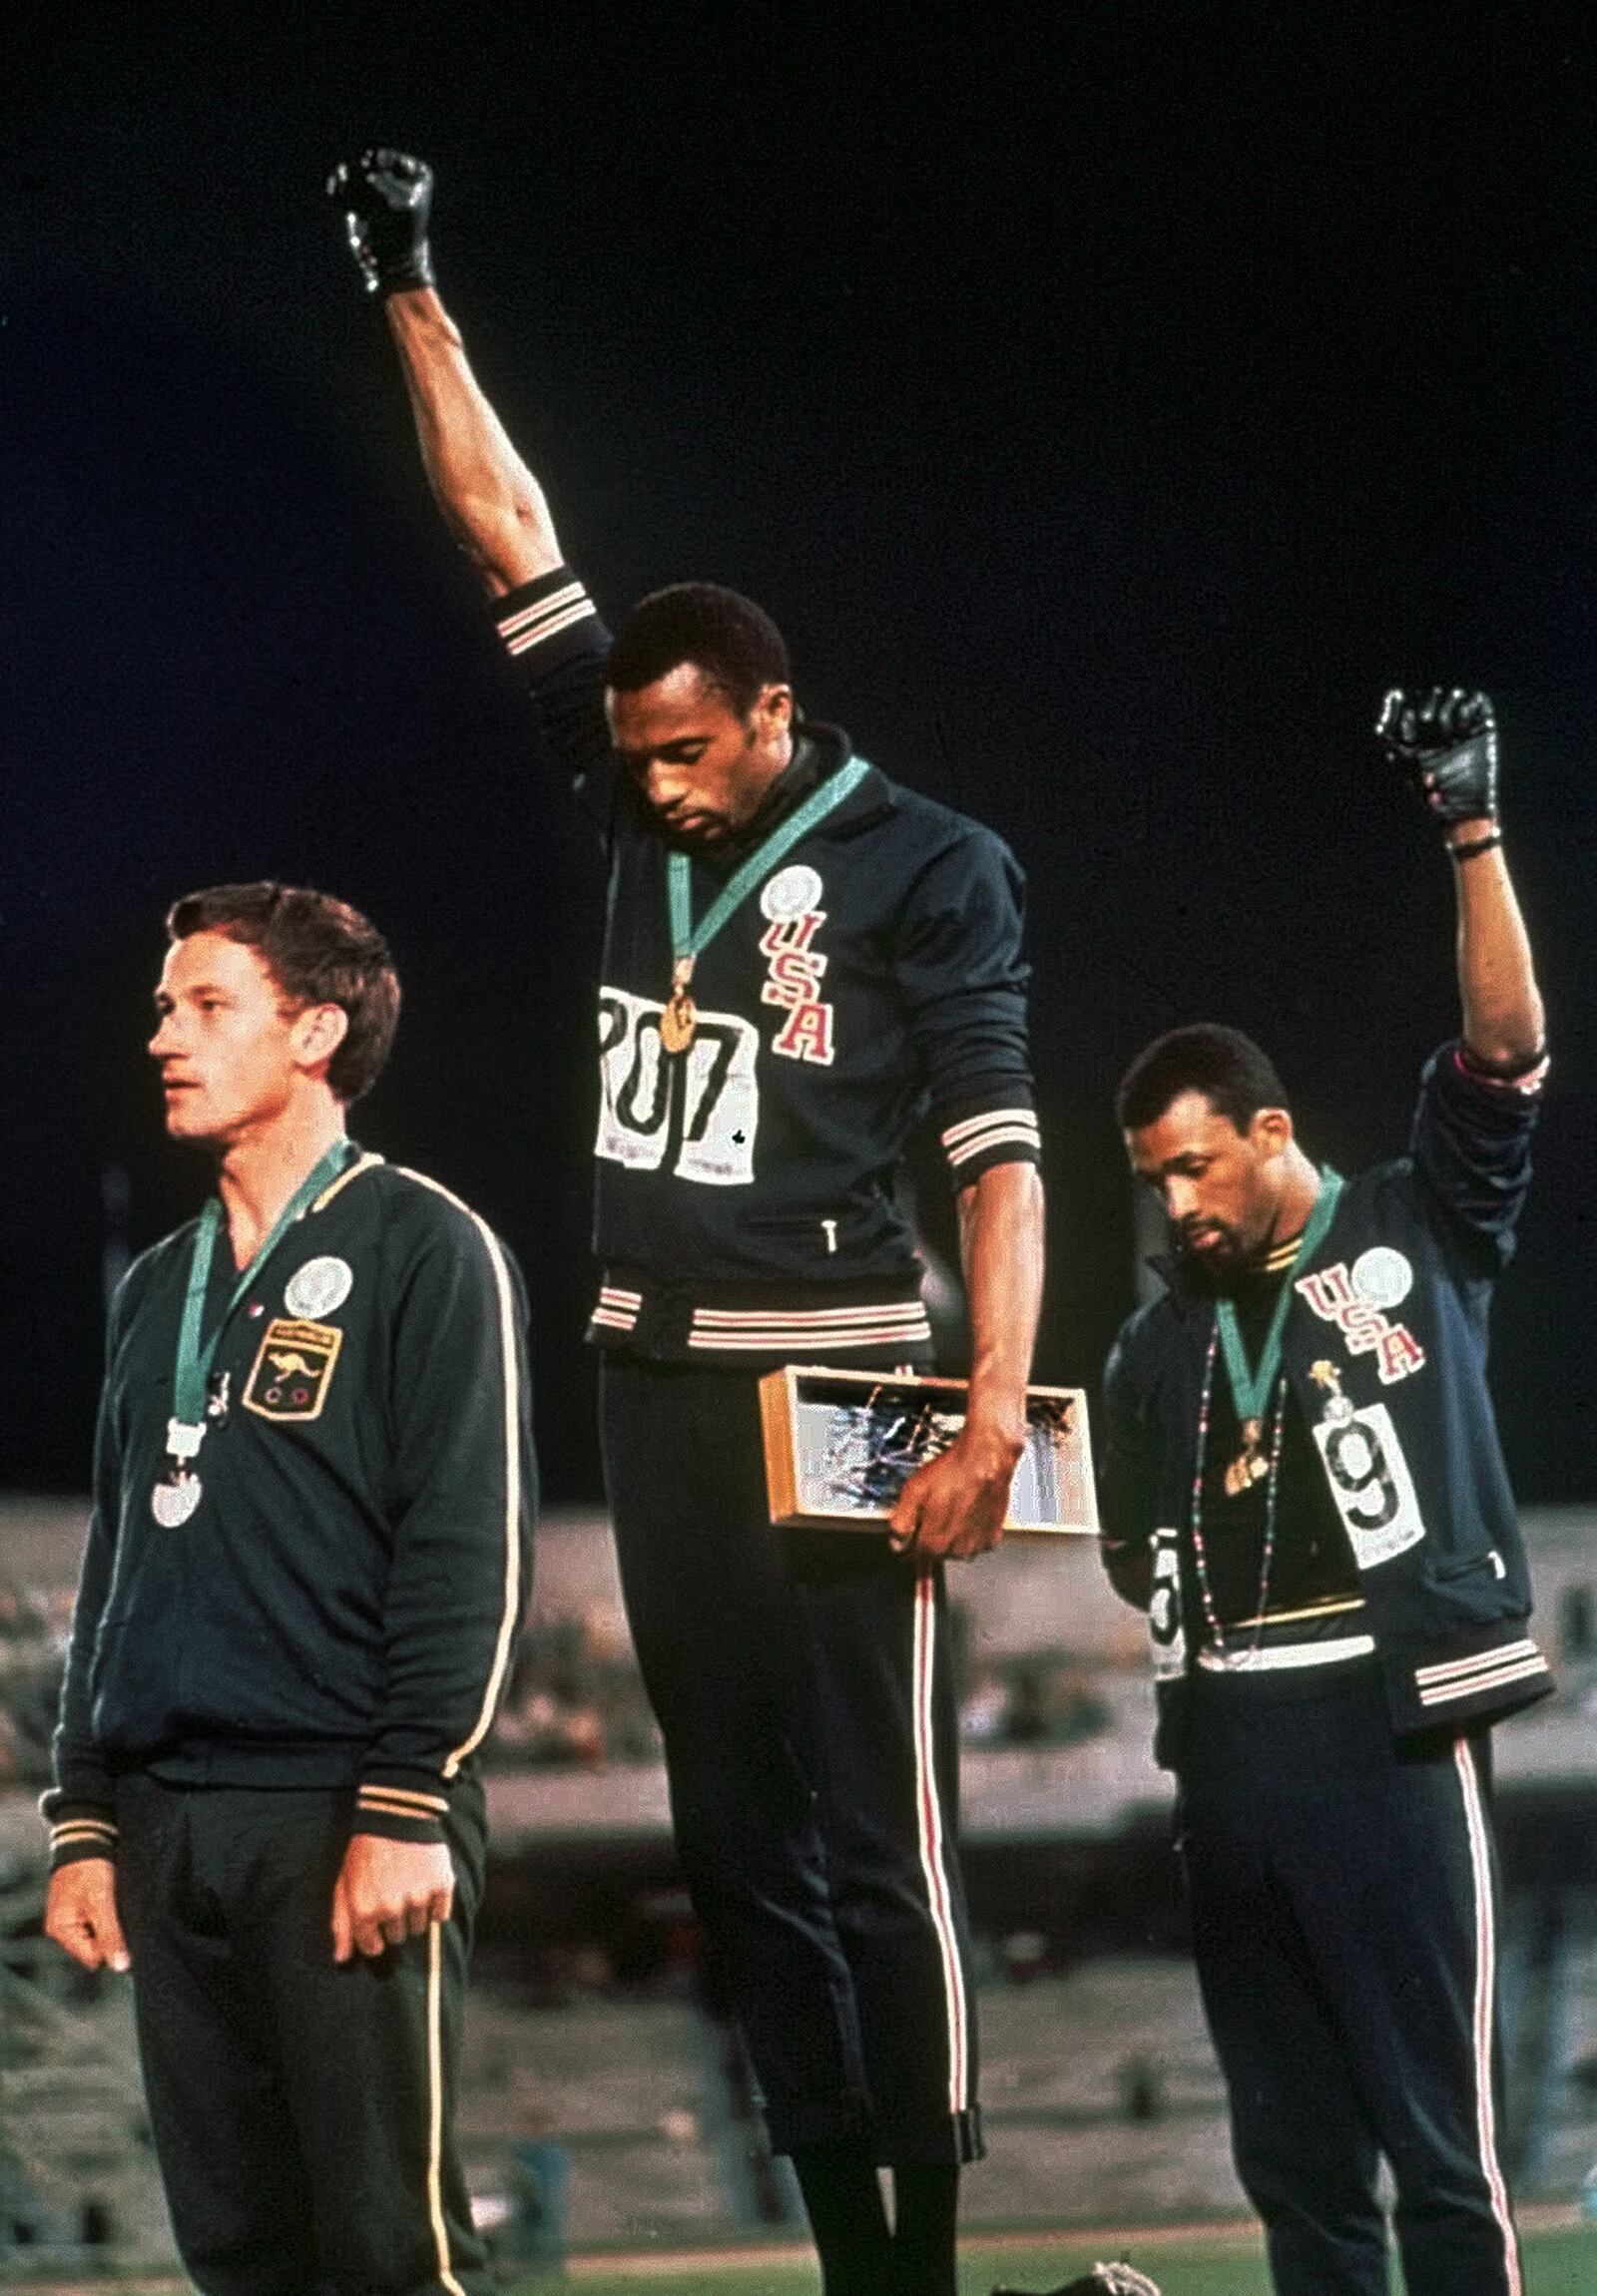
(679,1019)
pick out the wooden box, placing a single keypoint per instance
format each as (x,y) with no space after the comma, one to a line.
(840,1444)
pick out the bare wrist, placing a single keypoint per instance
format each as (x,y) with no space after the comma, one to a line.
(415,311)
(1002,1424)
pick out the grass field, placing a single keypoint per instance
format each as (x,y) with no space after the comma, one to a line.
(1557,2263)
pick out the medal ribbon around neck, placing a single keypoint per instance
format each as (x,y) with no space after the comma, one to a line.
(1250,1388)
(689,941)
(191,1371)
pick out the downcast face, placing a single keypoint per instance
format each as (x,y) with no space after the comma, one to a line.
(700,767)
(1220,1188)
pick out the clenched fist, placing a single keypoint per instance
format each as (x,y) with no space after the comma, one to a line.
(387,1892)
(1445,743)
(80,1914)
(386,198)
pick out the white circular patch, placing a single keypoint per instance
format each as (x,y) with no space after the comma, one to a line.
(1382,1278)
(318,1287)
(792,892)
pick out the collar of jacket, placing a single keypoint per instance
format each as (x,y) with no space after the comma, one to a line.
(1183,1292)
(1183,1286)
(820,751)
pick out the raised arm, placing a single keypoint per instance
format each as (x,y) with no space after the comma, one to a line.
(1446,744)
(491,501)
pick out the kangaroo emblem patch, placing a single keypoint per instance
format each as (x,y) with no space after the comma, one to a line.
(293,1369)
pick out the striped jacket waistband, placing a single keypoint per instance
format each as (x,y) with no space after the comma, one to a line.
(799,1323)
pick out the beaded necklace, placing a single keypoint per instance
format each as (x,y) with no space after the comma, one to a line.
(1200,1556)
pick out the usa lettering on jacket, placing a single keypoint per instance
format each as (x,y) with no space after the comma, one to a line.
(1336,1298)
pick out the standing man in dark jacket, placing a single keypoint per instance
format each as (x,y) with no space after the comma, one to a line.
(801,957)
(305,1566)
(1303,1487)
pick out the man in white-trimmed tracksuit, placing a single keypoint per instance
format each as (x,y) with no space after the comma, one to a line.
(802,960)
(1303,1485)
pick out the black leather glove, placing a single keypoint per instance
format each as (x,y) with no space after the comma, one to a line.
(386,198)
(1445,744)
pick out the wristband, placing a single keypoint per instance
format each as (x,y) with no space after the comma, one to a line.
(1476,845)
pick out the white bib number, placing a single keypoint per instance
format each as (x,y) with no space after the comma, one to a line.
(1370,1482)
(1167,1639)
(695,1117)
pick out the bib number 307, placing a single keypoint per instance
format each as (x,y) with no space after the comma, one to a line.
(695,1114)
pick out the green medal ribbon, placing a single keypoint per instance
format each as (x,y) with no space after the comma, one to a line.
(191,1375)
(1251,1389)
(689,940)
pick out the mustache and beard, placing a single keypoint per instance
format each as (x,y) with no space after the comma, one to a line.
(1213,1256)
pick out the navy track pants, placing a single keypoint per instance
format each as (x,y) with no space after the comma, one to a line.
(301,2110)
(803,1687)
(1345,1919)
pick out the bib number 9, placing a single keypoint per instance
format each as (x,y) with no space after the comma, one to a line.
(1370,1482)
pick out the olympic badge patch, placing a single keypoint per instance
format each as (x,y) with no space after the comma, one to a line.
(319,1286)
(293,1370)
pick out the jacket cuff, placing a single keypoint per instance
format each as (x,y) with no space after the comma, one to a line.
(981,1129)
(401,1805)
(1526,1079)
(78,1832)
(547,622)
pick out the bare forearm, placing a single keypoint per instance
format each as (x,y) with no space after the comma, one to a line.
(954,1506)
(1503,1020)
(1001,1245)
(493,505)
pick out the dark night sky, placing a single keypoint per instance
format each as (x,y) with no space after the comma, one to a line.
(1107,419)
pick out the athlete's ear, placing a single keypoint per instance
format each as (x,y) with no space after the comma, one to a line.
(773,707)
(317,1033)
(1272,1132)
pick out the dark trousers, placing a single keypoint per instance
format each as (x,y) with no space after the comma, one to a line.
(301,2110)
(803,1689)
(1343,1904)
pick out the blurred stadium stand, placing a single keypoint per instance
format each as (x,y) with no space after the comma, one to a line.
(605,2104)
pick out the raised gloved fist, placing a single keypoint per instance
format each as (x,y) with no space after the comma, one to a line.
(386,198)
(1446,746)
(1103,2280)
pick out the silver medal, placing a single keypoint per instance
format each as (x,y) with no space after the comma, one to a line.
(172,1504)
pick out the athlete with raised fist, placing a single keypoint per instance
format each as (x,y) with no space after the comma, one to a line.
(800,957)
(1302,1486)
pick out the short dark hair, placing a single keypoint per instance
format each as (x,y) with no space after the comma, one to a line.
(725,635)
(320,952)
(1224,1065)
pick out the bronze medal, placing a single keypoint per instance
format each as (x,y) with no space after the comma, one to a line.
(1250,1465)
